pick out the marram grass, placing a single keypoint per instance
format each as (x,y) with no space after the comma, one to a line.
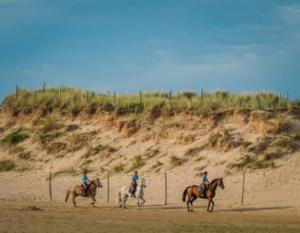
(77,100)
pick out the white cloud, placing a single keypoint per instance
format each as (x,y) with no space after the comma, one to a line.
(214,65)
(290,14)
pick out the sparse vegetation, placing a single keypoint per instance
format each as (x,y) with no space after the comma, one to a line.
(157,166)
(253,162)
(66,172)
(225,140)
(194,151)
(281,124)
(15,137)
(45,138)
(56,147)
(72,127)
(118,168)
(132,126)
(49,124)
(25,155)
(138,162)
(78,141)
(150,153)
(97,149)
(7,165)
(76,101)
(264,153)
(175,161)
(214,138)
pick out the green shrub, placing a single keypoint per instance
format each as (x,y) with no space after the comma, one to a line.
(15,137)
(50,123)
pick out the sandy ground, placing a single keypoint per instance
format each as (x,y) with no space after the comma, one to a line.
(271,201)
(56,217)
(271,188)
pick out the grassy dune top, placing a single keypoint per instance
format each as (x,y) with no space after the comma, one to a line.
(76,100)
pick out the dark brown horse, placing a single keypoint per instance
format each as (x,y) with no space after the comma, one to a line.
(192,193)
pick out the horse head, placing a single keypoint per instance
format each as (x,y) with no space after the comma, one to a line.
(221,183)
(142,183)
(98,182)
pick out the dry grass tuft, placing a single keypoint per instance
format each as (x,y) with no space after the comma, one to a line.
(175,161)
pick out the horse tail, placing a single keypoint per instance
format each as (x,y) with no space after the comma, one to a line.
(184,193)
(67,195)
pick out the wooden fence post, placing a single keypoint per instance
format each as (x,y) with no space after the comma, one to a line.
(170,99)
(50,184)
(243,187)
(141,97)
(201,96)
(114,97)
(108,186)
(279,101)
(44,86)
(17,90)
(60,92)
(166,189)
(87,96)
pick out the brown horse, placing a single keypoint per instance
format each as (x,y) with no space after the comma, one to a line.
(192,193)
(76,191)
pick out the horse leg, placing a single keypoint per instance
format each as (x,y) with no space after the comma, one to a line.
(213,205)
(124,201)
(192,200)
(73,199)
(138,204)
(208,206)
(94,201)
(189,203)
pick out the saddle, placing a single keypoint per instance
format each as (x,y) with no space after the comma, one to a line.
(132,188)
(85,191)
(203,188)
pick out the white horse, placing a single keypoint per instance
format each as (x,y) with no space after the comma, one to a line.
(124,193)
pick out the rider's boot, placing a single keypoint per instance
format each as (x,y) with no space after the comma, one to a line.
(133,194)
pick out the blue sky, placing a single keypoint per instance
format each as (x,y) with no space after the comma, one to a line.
(131,45)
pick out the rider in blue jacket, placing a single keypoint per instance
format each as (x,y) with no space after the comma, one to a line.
(85,181)
(134,180)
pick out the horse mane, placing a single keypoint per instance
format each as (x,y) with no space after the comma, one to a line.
(214,180)
(93,181)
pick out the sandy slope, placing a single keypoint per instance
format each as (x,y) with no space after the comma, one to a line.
(155,140)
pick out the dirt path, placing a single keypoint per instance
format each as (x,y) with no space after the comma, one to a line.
(56,217)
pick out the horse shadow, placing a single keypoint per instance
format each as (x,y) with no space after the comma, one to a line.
(254,209)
